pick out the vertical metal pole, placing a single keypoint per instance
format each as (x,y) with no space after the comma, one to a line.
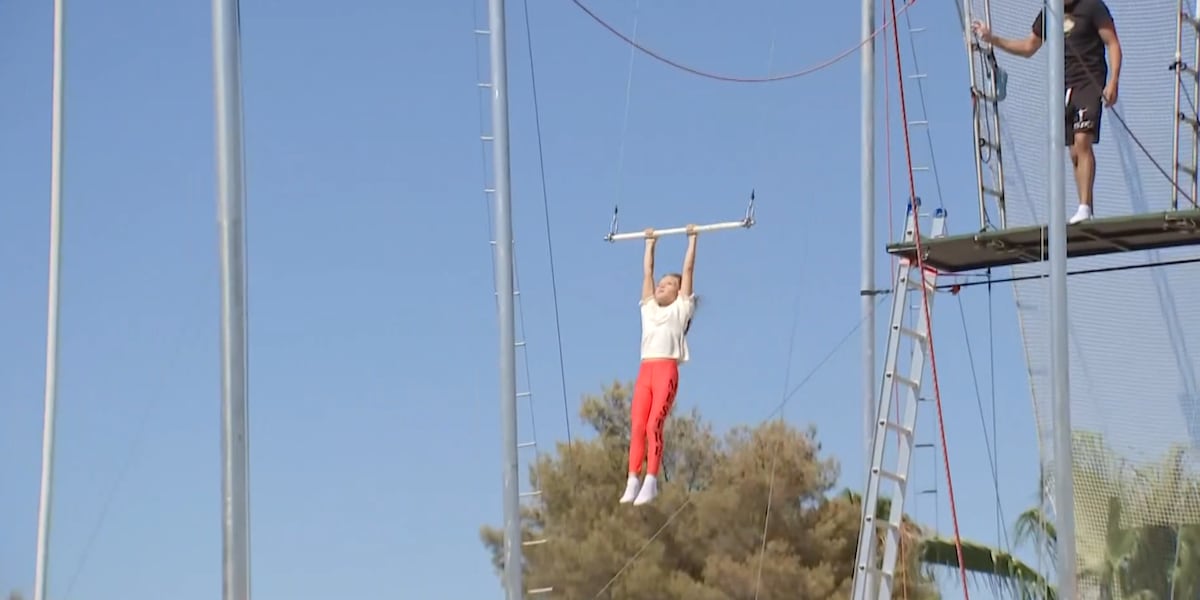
(231,198)
(1060,364)
(867,183)
(1177,118)
(513,563)
(1195,185)
(50,401)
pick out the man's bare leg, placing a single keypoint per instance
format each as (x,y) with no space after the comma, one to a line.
(1085,174)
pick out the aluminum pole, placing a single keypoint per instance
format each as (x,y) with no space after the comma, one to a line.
(50,401)
(514,588)
(1059,358)
(867,185)
(231,198)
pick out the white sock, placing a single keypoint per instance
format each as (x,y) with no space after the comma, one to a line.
(648,492)
(631,489)
(1083,213)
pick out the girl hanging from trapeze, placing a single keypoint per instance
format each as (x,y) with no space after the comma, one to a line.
(667,310)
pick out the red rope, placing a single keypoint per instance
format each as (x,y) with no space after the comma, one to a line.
(733,78)
(937,392)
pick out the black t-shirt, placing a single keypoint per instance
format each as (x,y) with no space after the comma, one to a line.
(1083,49)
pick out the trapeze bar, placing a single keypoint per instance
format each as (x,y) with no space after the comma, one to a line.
(637,235)
(1023,245)
(746,223)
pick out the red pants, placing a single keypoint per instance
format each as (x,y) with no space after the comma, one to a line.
(653,396)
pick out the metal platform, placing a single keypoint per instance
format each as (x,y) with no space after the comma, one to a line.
(1021,245)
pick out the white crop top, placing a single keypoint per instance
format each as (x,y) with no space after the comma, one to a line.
(662,328)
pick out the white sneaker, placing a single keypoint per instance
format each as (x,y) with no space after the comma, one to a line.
(648,492)
(631,489)
(1082,214)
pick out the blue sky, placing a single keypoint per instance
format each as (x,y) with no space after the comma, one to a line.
(375,431)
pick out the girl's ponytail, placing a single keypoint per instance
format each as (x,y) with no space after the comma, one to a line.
(695,305)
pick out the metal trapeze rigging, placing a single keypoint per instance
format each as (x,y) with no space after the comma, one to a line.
(745,223)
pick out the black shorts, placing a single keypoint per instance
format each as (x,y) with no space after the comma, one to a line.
(1084,109)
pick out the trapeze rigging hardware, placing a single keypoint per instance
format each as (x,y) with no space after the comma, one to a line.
(746,223)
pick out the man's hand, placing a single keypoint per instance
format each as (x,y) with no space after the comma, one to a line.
(691,230)
(649,234)
(1110,93)
(982,30)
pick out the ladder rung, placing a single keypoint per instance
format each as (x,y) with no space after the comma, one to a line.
(913,283)
(919,335)
(918,76)
(916,385)
(534,542)
(918,123)
(524,394)
(874,571)
(531,494)
(917,29)
(483,84)
(489,191)
(886,524)
(527,444)
(545,590)
(482,32)
(925,445)
(928,491)
(891,475)
(486,138)
(520,344)
(894,426)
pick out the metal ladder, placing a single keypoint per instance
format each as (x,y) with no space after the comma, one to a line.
(873,579)
(1186,26)
(988,89)
(524,392)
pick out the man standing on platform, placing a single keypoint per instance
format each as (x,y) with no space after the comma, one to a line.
(1090,79)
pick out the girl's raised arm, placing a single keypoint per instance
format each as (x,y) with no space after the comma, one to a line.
(689,264)
(648,266)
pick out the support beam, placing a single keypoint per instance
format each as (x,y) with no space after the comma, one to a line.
(506,315)
(231,198)
(50,401)
(1060,364)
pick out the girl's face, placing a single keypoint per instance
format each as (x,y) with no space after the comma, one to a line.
(667,290)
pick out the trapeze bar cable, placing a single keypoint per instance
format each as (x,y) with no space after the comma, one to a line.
(746,223)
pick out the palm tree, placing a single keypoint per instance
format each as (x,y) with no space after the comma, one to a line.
(1136,532)
(999,570)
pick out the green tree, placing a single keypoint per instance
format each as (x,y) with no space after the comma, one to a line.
(703,537)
